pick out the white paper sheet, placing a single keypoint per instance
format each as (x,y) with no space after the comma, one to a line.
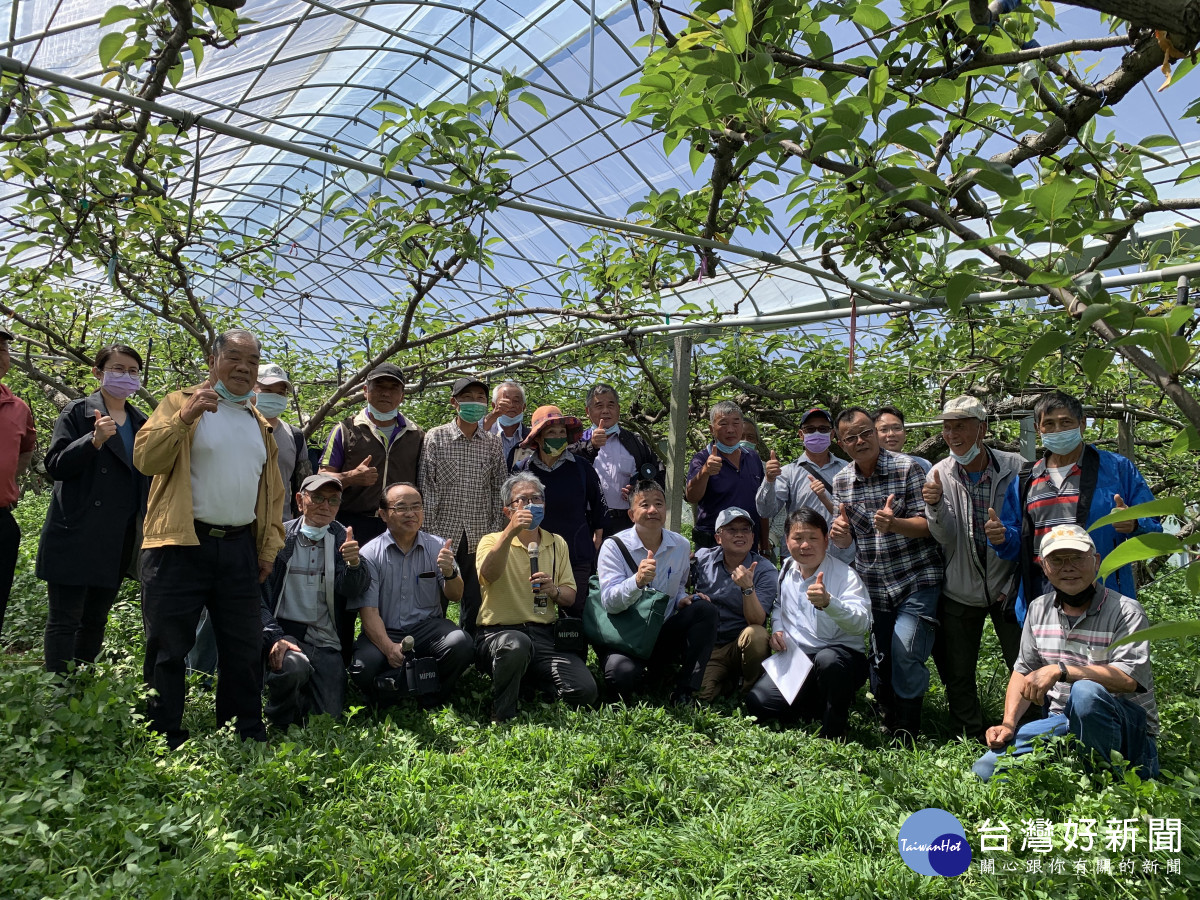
(788,670)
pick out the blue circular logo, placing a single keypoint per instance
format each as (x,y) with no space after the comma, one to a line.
(933,842)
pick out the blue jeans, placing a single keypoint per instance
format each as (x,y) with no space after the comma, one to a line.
(1100,721)
(904,636)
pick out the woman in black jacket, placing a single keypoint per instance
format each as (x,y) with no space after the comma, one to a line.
(94,522)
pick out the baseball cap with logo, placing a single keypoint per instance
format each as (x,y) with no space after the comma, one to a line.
(1066,537)
(964,408)
(269,373)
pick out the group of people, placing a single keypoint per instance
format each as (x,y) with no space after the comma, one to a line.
(882,561)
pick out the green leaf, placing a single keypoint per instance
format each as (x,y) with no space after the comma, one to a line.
(1052,279)
(1053,199)
(870,17)
(1094,312)
(533,100)
(116,13)
(1187,441)
(1163,631)
(744,11)
(958,288)
(877,87)
(1095,361)
(390,107)
(197,48)
(1136,549)
(1041,348)
(175,73)
(109,45)
(735,35)
(1164,506)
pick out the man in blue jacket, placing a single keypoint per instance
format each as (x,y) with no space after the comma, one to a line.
(1074,483)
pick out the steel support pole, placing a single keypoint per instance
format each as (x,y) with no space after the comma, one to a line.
(681,376)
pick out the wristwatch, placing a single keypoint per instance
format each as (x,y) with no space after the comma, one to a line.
(1062,673)
(746,592)
(454,574)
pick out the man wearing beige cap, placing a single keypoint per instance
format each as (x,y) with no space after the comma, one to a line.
(1102,695)
(271,395)
(962,493)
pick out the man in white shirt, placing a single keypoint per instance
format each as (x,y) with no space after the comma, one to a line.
(662,560)
(823,612)
(213,528)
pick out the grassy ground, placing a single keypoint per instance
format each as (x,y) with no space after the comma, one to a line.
(615,802)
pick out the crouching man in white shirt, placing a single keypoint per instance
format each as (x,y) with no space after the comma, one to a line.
(823,611)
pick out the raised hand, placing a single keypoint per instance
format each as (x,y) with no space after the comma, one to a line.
(349,548)
(203,400)
(773,468)
(1123,527)
(743,577)
(817,486)
(993,528)
(818,596)
(520,520)
(599,437)
(839,529)
(105,428)
(645,571)
(886,516)
(931,491)
(445,560)
(362,474)
(712,465)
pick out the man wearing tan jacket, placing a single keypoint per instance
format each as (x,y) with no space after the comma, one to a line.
(213,527)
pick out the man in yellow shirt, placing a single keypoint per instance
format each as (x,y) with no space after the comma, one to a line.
(525,575)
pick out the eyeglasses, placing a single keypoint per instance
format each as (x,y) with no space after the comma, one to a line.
(318,500)
(816,429)
(525,501)
(117,370)
(1058,563)
(743,530)
(858,436)
(890,429)
(405,508)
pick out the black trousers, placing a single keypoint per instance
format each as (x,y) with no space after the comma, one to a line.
(75,623)
(311,682)
(837,674)
(220,575)
(10,541)
(451,648)
(472,595)
(956,654)
(616,521)
(367,526)
(688,636)
(513,653)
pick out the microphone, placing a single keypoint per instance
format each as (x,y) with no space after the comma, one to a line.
(407,644)
(540,600)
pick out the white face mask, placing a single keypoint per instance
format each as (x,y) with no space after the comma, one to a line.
(967,458)
(313,532)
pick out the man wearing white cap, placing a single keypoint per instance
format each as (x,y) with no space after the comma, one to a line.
(18,437)
(961,494)
(1102,695)
(271,397)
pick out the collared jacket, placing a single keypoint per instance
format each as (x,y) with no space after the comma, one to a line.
(348,583)
(970,581)
(163,449)
(98,496)
(1103,475)
(634,445)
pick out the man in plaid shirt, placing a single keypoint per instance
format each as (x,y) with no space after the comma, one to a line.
(881,511)
(462,467)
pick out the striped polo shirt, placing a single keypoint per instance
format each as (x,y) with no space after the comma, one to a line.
(1049,638)
(1048,505)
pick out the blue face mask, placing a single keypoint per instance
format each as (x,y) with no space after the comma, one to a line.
(225,394)
(271,405)
(509,421)
(538,511)
(725,448)
(746,445)
(612,429)
(380,415)
(1061,443)
(967,458)
(312,532)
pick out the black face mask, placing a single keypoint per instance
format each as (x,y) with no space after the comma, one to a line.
(1083,598)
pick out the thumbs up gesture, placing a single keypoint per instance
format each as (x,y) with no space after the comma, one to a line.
(886,516)
(645,571)
(818,596)
(839,529)
(349,549)
(994,529)
(743,577)
(1123,527)
(712,465)
(445,560)
(932,490)
(104,428)
(362,474)
(772,468)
